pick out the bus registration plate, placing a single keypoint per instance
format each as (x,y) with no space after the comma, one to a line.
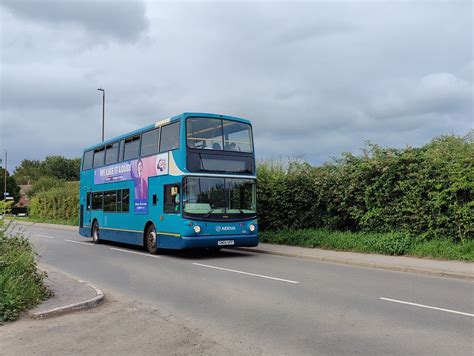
(225,242)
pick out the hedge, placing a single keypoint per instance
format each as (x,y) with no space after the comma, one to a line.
(426,192)
(57,204)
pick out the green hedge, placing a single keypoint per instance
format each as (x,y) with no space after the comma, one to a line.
(57,204)
(426,192)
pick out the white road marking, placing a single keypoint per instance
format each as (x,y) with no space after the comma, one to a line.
(48,237)
(80,242)
(427,306)
(247,273)
(135,253)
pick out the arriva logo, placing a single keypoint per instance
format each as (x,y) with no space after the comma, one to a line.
(225,228)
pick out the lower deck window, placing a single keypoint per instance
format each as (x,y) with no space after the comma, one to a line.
(97,201)
(110,200)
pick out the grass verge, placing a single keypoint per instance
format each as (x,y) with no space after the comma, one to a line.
(21,284)
(47,221)
(393,243)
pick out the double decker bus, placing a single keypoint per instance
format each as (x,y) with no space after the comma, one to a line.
(185,182)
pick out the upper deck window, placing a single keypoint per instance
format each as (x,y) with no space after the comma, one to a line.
(150,141)
(169,137)
(99,155)
(132,147)
(220,135)
(87,160)
(111,153)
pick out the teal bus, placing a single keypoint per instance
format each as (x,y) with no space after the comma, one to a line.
(184,182)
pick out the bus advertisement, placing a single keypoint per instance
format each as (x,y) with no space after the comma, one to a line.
(184,182)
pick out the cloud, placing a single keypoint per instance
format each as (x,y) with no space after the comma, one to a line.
(119,20)
(434,93)
(316,79)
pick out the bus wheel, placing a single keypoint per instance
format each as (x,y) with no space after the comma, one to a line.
(151,240)
(95,232)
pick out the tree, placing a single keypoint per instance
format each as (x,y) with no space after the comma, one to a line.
(12,187)
(61,168)
(30,171)
(27,171)
(44,184)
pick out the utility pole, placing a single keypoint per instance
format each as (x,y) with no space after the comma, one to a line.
(103,111)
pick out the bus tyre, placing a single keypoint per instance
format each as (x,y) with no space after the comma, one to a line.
(151,240)
(95,233)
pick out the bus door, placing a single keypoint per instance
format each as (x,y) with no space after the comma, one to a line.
(85,213)
(171,205)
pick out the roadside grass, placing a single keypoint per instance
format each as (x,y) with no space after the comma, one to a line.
(393,243)
(47,221)
(446,250)
(21,284)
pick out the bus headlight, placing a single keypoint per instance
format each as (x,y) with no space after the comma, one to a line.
(252,227)
(197,229)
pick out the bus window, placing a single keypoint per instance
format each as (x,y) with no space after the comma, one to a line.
(111,153)
(237,136)
(125,200)
(122,146)
(99,155)
(132,146)
(88,202)
(169,137)
(110,201)
(97,201)
(150,141)
(87,160)
(171,199)
(119,200)
(205,134)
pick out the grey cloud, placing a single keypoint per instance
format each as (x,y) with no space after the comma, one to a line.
(38,87)
(302,32)
(120,20)
(315,79)
(437,92)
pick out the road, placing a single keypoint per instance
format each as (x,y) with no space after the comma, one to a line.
(278,305)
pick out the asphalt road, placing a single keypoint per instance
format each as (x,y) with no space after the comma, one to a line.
(278,305)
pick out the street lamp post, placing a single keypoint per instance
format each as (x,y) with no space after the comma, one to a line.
(5,183)
(103,111)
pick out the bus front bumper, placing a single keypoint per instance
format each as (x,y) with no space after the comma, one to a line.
(224,241)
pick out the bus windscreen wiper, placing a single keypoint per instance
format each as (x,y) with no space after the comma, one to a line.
(209,213)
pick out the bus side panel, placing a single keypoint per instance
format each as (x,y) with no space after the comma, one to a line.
(127,237)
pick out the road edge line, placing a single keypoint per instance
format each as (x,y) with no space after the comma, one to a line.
(398,268)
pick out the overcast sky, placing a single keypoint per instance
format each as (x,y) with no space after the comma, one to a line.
(315,78)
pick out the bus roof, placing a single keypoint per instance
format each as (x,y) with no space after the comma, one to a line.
(164,122)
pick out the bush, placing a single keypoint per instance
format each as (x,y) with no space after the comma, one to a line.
(44,184)
(57,204)
(21,284)
(425,192)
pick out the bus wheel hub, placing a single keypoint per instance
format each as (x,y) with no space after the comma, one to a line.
(152,239)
